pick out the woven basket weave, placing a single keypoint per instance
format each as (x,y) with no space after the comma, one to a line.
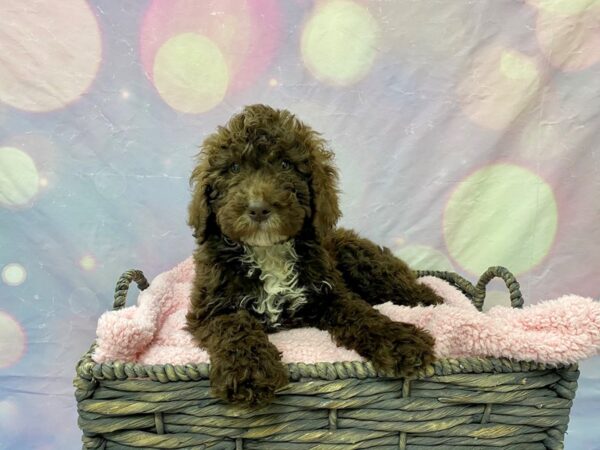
(457,404)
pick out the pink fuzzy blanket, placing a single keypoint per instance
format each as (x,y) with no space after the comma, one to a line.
(563,330)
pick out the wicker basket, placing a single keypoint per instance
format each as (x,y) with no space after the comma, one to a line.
(458,404)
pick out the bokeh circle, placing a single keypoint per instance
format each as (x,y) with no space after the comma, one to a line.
(245,33)
(19,178)
(571,42)
(12,340)
(565,7)
(14,274)
(12,420)
(499,85)
(50,53)
(87,262)
(339,42)
(43,150)
(190,73)
(502,215)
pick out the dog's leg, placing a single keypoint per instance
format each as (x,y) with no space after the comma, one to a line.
(375,274)
(246,367)
(395,347)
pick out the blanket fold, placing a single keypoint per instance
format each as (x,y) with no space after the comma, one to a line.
(563,330)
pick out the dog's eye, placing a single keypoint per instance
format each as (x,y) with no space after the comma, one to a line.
(285,165)
(234,168)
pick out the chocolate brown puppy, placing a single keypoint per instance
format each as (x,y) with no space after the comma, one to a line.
(269,257)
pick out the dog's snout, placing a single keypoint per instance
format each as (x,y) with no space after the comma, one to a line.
(259,211)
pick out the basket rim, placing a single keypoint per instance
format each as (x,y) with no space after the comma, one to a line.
(89,369)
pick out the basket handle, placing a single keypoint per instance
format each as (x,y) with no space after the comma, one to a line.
(477,293)
(516,298)
(123,286)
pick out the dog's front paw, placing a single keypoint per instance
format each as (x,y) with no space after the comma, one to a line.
(403,349)
(427,296)
(248,383)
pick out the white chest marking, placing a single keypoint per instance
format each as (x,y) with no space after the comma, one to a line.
(279,278)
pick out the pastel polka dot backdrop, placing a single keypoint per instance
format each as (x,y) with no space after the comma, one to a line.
(467,135)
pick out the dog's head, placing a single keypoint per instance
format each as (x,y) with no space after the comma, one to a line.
(261,178)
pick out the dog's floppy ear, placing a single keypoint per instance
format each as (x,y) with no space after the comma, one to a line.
(324,179)
(199,209)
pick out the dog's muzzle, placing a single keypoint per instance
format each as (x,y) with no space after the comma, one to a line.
(259,211)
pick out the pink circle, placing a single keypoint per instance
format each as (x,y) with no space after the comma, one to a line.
(51,55)
(248,33)
(498,86)
(570,42)
(13,341)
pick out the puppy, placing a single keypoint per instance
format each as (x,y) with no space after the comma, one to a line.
(269,257)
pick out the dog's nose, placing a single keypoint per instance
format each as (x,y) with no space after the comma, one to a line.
(259,211)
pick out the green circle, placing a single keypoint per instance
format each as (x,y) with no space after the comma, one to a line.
(190,73)
(567,7)
(19,179)
(501,215)
(339,42)
(423,257)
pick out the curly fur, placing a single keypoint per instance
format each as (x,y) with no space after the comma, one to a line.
(293,269)
(281,289)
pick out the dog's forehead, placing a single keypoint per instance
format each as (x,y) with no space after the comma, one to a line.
(249,152)
(274,149)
